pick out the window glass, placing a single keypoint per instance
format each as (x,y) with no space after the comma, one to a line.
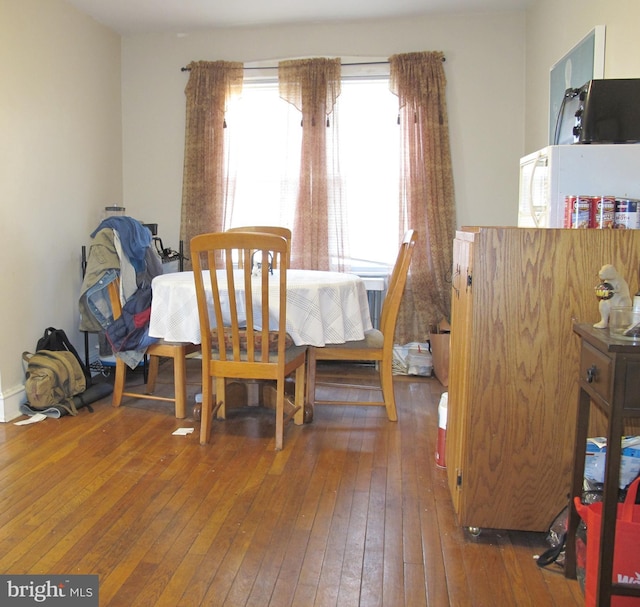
(369,163)
(264,137)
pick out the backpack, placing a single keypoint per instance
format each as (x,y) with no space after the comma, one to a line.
(57,340)
(53,378)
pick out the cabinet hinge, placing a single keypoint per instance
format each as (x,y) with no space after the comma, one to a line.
(469,280)
(459,479)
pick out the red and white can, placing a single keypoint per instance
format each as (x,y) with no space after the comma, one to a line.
(603,209)
(569,202)
(581,212)
(442,431)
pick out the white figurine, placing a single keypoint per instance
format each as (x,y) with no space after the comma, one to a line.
(613,292)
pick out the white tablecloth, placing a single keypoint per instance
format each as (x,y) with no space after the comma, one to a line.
(322,307)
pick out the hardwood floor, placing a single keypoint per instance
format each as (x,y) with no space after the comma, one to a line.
(353,512)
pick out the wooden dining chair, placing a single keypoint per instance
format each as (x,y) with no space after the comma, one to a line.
(376,346)
(277,230)
(243,305)
(176,350)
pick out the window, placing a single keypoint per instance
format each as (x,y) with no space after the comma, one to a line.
(264,143)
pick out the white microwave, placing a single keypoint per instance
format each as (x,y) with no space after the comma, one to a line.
(557,171)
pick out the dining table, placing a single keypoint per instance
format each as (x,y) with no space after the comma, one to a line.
(322,308)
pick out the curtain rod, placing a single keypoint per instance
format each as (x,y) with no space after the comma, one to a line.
(275,67)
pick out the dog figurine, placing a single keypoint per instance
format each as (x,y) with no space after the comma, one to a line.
(613,292)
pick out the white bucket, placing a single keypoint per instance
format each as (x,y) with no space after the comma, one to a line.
(442,430)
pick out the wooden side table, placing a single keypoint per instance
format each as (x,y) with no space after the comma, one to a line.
(610,378)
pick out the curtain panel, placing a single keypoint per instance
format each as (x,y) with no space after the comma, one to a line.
(426,191)
(313,87)
(205,187)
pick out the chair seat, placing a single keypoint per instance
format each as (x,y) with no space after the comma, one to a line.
(227,335)
(161,344)
(373,338)
(291,353)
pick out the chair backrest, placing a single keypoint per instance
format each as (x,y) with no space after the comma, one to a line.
(113,289)
(277,230)
(251,328)
(391,303)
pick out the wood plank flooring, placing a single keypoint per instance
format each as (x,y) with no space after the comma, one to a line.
(353,512)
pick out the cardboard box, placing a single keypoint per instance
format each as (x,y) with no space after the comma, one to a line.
(440,354)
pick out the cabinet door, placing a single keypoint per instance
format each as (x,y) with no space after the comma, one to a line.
(514,362)
(461,334)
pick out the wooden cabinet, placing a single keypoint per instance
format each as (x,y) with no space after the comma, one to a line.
(609,377)
(516,294)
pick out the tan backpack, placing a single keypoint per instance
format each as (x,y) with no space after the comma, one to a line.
(53,378)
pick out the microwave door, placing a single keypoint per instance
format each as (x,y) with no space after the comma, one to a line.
(538,191)
(534,192)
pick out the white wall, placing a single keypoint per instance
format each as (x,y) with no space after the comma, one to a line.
(485,86)
(553,28)
(60,163)
(68,147)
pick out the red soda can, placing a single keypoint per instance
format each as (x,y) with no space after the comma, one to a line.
(603,209)
(569,202)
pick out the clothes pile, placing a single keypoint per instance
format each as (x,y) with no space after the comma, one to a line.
(121,247)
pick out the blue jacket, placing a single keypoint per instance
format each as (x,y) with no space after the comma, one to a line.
(135,238)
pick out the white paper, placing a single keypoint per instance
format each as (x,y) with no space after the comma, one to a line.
(182,431)
(38,417)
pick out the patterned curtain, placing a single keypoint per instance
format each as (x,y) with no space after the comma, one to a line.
(205,186)
(313,86)
(426,191)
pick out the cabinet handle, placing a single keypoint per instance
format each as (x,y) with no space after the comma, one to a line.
(591,374)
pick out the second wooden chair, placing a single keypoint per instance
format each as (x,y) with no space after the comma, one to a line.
(175,350)
(377,346)
(237,339)
(277,230)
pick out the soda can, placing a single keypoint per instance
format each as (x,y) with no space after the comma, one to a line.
(581,213)
(569,202)
(604,211)
(627,216)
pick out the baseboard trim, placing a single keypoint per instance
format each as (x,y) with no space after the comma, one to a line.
(10,403)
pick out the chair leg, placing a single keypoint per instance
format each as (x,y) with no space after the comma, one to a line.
(180,382)
(220,406)
(279,414)
(386,383)
(299,397)
(311,377)
(152,374)
(207,410)
(118,383)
